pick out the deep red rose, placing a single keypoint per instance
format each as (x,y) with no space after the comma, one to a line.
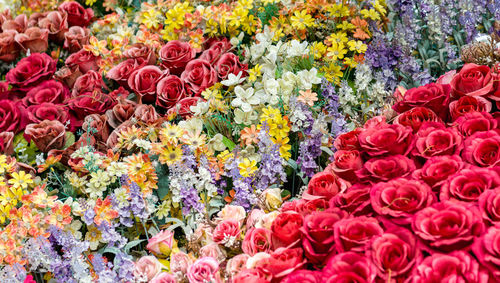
(121,112)
(349,267)
(415,117)
(324,185)
(90,103)
(33,39)
(12,116)
(306,207)
(75,38)
(386,168)
(448,225)
(141,51)
(47,135)
(85,60)
(346,163)
(487,250)
(489,205)
(437,169)
(6,143)
(472,80)
(215,51)
(474,122)
(57,24)
(483,149)
(282,262)
(257,240)
(199,75)
(89,82)
(435,139)
(400,199)
(468,184)
(9,48)
(31,71)
(348,141)
(175,55)
(386,139)
(432,96)
(355,200)
(146,113)
(352,234)
(183,106)
(48,91)
(285,229)
(229,64)
(77,15)
(252,275)
(121,72)
(143,82)
(48,111)
(170,90)
(303,276)
(394,254)
(467,104)
(457,266)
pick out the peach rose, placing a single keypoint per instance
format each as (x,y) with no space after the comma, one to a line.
(47,135)
(146,268)
(161,243)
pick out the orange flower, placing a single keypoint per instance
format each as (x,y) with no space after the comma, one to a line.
(360,34)
(360,58)
(307,97)
(51,160)
(249,135)
(103,211)
(358,22)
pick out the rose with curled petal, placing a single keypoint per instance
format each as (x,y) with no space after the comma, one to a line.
(257,240)
(433,139)
(483,149)
(352,234)
(489,206)
(355,200)
(386,168)
(33,39)
(77,15)
(468,184)
(50,91)
(47,135)
(400,199)
(386,139)
(143,82)
(324,185)
(457,266)
(56,23)
(170,90)
(140,51)
(437,169)
(6,143)
(205,269)
(85,60)
(227,232)
(472,80)
(432,96)
(487,250)
(468,104)
(31,71)
(229,63)
(121,72)
(282,262)
(9,48)
(19,24)
(146,268)
(304,276)
(349,267)
(75,38)
(348,141)
(448,225)
(12,116)
(415,117)
(474,122)
(198,75)
(285,229)
(121,112)
(175,55)
(346,163)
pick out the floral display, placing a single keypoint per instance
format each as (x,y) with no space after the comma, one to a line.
(249,141)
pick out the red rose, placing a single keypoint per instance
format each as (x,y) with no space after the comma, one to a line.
(47,111)
(252,275)
(489,205)
(282,262)
(400,198)
(227,232)
(472,80)
(483,149)
(352,234)
(31,71)
(215,51)
(47,135)
(432,96)
(349,267)
(98,125)
(306,207)
(285,229)
(435,139)
(170,90)
(474,122)
(48,91)
(348,141)
(57,24)
(121,72)
(9,48)
(468,104)
(355,200)
(229,64)
(345,164)
(448,225)
(77,15)
(303,276)
(141,51)
(446,78)
(68,75)
(89,82)
(12,116)
(85,60)
(324,185)
(121,112)
(386,168)
(175,55)
(437,169)
(257,240)
(394,254)
(75,38)
(386,139)
(6,143)
(318,239)
(468,184)
(183,106)
(487,250)
(146,113)
(199,75)
(33,39)
(90,103)
(415,117)
(143,82)
(457,266)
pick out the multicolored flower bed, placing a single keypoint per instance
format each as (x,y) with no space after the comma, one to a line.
(241,141)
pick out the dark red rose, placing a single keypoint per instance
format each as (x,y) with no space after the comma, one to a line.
(487,250)
(85,60)
(386,168)
(348,141)
(12,116)
(457,266)
(285,229)
(432,96)
(257,240)
(48,91)
(215,51)
(121,72)
(77,15)
(90,103)
(437,169)
(489,205)
(448,225)
(33,39)
(324,185)
(474,122)
(346,163)
(199,75)
(415,117)
(400,199)
(472,80)
(468,184)
(143,82)
(75,38)
(141,51)
(121,112)
(146,113)
(355,200)
(9,48)
(183,106)
(89,82)
(435,139)
(47,135)
(352,234)
(394,254)
(47,111)
(306,207)
(349,267)
(386,139)
(282,262)
(303,276)
(230,64)
(170,90)
(467,104)
(31,71)
(6,143)
(175,55)
(57,24)
(483,149)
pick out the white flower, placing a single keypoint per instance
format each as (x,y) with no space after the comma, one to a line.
(217,142)
(307,78)
(273,51)
(193,125)
(245,98)
(144,144)
(233,80)
(245,118)
(117,169)
(271,86)
(235,41)
(265,36)
(297,49)
(200,108)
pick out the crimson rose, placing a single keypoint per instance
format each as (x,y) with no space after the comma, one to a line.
(31,71)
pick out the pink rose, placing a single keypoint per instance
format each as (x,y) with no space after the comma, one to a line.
(170,90)
(161,243)
(213,250)
(140,51)
(236,264)
(179,263)
(467,104)
(164,277)
(77,15)
(355,200)
(75,38)
(468,184)
(31,71)
(146,268)
(345,163)
(229,64)
(146,113)
(251,276)
(489,205)
(257,240)
(352,234)
(282,262)
(227,232)
(349,267)
(435,139)
(253,217)
(472,80)
(432,96)
(85,60)
(56,23)
(324,185)
(47,135)
(143,82)
(33,39)
(9,48)
(234,212)
(386,168)
(348,141)
(386,139)
(286,229)
(48,91)
(175,55)
(306,207)
(199,75)
(487,250)
(415,117)
(437,169)
(205,269)
(304,276)
(18,24)
(446,78)
(474,122)
(6,143)
(483,149)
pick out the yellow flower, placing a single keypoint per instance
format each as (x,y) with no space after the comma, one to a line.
(339,37)
(279,128)
(211,27)
(345,25)
(332,73)
(169,34)
(350,62)
(238,17)
(254,73)
(90,2)
(370,14)
(301,20)
(225,155)
(336,51)
(170,155)
(247,4)
(249,25)
(150,18)
(380,7)
(284,147)
(357,45)
(171,134)
(174,18)
(339,10)
(3,164)
(247,167)
(269,114)
(20,179)
(318,49)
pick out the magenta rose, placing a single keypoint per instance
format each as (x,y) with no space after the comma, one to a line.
(6,143)
(89,82)
(170,90)
(472,80)
(12,116)
(286,229)
(47,135)
(33,39)
(77,15)
(324,185)
(448,225)
(474,122)
(9,48)
(304,276)
(257,240)
(349,267)
(175,55)
(467,104)
(31,71)
(432,96)
(140,51)
(435,139)
(352,234)
(346,163)
(483,149)
(50,91)
(489,206)
(457,266)
(199,75)
(386,139)
(56,23)
(487,250)
(415,117)
(121,72)
(227,232)
(205,269)
(47,111)
(468,184)
(282,262)
(437,169)
(386,168)
(143,82)
(75,38)
(355,200)
(229,64)
(85,60)
(348,141)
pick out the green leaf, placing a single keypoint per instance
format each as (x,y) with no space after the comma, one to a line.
(111,250)
(132,244)
(230,145)
(163,186)
(70,140)
(293,164)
